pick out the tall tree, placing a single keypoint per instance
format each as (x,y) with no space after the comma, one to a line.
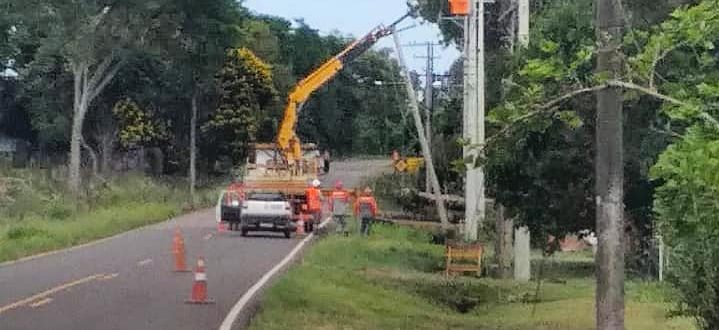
(610,170)
(94,40)
(246,90)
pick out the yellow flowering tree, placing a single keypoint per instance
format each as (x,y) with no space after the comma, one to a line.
(245,92)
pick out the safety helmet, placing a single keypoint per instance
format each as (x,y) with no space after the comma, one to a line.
(316,183)
(367,190)
(338,184)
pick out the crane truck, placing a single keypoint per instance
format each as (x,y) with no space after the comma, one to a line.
(285,168)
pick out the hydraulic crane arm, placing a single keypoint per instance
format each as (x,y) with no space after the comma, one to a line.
(287,139)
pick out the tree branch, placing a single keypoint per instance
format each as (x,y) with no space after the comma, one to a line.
(100,72)
(660,56)
(551,106)
(106,80)
(512,7)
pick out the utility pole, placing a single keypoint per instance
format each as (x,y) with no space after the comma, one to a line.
(428,104)
(609,171)
(428,99)
(474,134)
(426,150)
(522,238)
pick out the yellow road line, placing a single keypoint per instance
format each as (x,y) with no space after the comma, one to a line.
(41,303)
(49,292)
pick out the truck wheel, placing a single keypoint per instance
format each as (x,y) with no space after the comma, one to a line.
(288,233)
(243,232)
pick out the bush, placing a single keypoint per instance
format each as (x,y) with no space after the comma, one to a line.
(688,217)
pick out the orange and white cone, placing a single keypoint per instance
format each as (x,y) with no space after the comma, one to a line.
(221,227)
(300,226)
(199,287)
(178,249)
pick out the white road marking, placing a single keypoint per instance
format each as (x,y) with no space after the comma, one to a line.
(144,262)
(209,236)
(237,309)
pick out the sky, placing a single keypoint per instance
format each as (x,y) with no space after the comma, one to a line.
(357,18)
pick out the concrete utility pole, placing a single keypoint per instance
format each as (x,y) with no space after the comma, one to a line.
(426,150)
(609,173)
(474,134)
(428,104)
(428,99)
(522,239)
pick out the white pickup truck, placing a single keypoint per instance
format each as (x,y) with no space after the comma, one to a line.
(266,212)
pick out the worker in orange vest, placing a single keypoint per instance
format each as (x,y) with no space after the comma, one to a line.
(314,205)
(366,211)
(339,206)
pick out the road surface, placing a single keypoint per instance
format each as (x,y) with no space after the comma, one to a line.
(127,282)
(354,172)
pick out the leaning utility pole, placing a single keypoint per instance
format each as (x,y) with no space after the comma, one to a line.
(474,134)
(426,150)
(609,175)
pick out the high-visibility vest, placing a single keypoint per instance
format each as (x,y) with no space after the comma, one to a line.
(339,201)
(313,199)
(366,207)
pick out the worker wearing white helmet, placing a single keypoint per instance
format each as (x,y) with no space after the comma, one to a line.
(314,204)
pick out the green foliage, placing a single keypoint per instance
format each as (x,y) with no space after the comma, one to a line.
(136,126)
(688,218)
(246,90)
(541,169)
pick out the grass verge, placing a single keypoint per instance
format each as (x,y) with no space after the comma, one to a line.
(393,281)
(36,216)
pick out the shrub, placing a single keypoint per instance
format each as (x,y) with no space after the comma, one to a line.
(688,217)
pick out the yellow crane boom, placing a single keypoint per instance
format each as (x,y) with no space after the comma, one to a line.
(287,140)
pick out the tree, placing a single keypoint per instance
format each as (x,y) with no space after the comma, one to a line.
(205,30)
(246,90)
(94,41)
(609,170)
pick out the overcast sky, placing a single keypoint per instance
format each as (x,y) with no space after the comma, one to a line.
(356,18)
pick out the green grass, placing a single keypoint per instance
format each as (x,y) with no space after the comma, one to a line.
(393,281)
(37,216)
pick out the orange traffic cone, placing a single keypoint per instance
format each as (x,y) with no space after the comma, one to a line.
(178,249)
(199,287)
(221,227)
(300,226)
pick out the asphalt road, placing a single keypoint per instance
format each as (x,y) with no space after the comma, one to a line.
(127,282)
(352,173)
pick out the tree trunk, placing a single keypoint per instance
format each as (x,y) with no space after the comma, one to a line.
(193,147)
(86,89)
(79,108)
(504,243)
(107,141)
(609,171)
